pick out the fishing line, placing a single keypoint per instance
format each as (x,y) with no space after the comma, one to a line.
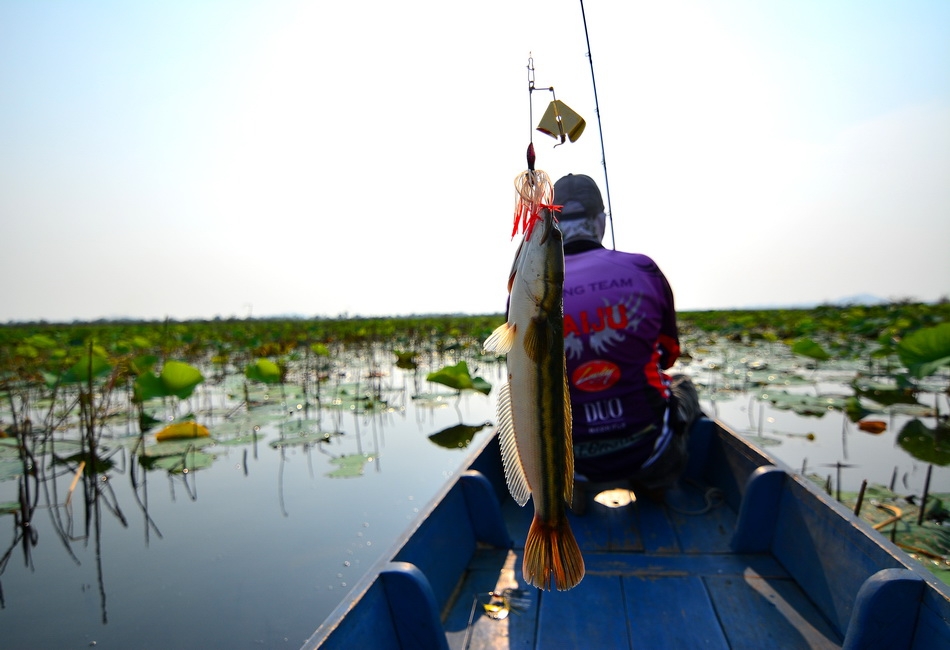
(600,129)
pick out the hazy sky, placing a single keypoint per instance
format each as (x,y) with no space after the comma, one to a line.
(193,158)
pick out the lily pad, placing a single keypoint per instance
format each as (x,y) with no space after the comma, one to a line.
(458,377)
(434,400)
(926,444)
(350,466)
(10,469)
(177,379)
(923,352)
(304,439)
(809,348)
(92,366)
(406,360)
(9,507)
(804,404)
(264,371)
(182,430)
(457,437)
(188,462)
(176,447)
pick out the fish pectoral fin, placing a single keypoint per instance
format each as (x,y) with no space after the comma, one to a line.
(539,339)
(501,339)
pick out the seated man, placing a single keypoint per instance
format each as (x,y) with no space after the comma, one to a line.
(630,419)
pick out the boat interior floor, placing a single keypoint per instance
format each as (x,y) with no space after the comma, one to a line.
(658,575)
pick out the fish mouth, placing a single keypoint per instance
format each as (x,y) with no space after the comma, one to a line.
(549,226)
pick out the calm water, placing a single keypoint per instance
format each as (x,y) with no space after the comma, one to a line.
(251,552)
(256,549)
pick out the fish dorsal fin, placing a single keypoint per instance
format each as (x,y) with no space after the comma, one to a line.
(514,470)
(501,339)
(569,445)
(538,339)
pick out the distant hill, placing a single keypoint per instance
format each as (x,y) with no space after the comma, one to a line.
(861,299)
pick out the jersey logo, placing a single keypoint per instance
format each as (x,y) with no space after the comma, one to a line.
(606,328)
(596,375)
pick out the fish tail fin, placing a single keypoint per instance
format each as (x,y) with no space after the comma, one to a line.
(552,552)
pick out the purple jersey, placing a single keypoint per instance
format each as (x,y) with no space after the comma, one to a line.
(619,335)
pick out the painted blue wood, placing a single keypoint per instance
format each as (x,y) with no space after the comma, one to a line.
(655,528)
(650,568)
(699,526)
(442,545)
(933,622)
(365,622)
(413,607)
(885,611)
(824,549)
(484,511)
(701,438)
(673,612)
(762,612)
(589,616)
(729,463)
(515,632)
(758,511)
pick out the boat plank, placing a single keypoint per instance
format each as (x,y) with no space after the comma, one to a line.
(584,617)
(672,612)
(701,522)
(659,535)
(604,529)
(468,626)
(660,566)
(784,616)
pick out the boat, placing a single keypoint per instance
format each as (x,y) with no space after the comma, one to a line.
(743,553)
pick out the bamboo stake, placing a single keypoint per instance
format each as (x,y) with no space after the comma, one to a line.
(923,499)
(72,486)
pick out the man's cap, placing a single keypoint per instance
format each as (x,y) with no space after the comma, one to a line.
(579,197)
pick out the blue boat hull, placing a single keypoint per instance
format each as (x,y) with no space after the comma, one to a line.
(744,554)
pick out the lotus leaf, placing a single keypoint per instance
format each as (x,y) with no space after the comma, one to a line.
(458,377)
(9,507)
(303,439)
(926,444)
(874,427)
(10,469)
(885,394)
(176,447)
(264,371)
(177,379)
(189,462)
(913,410)
(406,360)
(180,378)
(813,405)
(808,348)
(457,437)
(923,352)
(182,430)
(92,366)
(350,466)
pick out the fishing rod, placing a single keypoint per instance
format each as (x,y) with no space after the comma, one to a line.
(600,129)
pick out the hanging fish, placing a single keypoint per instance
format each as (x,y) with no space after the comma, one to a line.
(534,407)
